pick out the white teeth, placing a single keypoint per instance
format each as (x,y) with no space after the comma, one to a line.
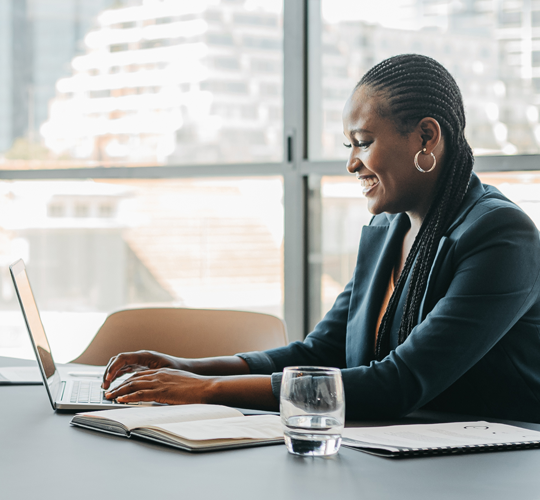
(367,182)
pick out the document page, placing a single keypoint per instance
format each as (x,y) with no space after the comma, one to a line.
(257,427)
(438,435)
(132,418)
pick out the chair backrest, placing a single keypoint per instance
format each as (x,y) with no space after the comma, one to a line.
(188,333)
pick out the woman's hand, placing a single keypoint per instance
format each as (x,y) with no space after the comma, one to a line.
(128,362)
(173,386)
(164,385)
(144,360)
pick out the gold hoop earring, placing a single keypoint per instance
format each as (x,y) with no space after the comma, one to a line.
(420,169)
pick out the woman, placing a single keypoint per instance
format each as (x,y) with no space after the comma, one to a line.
(443,309)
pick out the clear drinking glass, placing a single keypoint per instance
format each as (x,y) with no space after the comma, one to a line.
(312,407)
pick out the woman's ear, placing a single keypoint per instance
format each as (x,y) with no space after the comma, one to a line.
(430,133)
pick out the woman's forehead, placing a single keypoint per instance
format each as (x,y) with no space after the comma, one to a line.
(363,110)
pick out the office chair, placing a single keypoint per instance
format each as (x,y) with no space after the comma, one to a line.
(188,333)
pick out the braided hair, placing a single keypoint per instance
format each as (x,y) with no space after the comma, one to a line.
(415,87)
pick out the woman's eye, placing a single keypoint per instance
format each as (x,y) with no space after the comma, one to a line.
(362,145)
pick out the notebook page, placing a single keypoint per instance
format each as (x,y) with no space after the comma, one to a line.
(257,427)
(132,418)
(440,435)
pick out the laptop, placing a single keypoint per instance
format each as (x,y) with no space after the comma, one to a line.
(77,394)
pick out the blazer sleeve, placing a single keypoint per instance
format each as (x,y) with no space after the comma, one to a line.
(496,263)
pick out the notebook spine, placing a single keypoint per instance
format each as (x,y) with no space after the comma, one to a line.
(475,448)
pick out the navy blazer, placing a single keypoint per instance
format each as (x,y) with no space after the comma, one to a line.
(476,347)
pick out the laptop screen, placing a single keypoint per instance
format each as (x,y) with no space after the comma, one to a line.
(39,340)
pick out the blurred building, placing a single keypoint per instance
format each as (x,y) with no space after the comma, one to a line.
(174,82)
(38,39)
(349,49)
(99,246)
(514,28)
(70,235)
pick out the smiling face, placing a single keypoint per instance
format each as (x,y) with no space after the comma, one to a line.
(383,158)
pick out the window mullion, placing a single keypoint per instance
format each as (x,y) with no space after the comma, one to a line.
(294,112)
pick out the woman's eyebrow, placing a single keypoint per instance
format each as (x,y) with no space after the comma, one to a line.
(360,130)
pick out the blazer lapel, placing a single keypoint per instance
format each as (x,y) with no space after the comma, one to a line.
(474,192)
(442,250)
(378,252)
(377,255)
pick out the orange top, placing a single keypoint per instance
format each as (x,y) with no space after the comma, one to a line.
(389,292)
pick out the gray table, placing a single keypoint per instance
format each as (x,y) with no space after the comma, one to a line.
(42,456)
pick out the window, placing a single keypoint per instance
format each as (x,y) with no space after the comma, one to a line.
(216,86)
(220,39)
(214,16)
(56,210)
(264,65)
(255,20)
(82,210)
(334,238)
(150,44)
(108,244)
(501,104)
(106,210)
(165,20)
(96,94)
(270,89)
(119,47)
(492,76)
(227,63)
(261,43)
(510,19)
(163,64)
(165,152)
(141,101)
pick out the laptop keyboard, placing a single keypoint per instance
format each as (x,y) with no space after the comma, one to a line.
(88,392)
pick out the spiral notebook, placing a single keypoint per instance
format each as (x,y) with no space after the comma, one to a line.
(396,441)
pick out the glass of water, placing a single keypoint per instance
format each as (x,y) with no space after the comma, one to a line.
(312,407)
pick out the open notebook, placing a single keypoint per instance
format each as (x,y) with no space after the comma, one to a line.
(188,427)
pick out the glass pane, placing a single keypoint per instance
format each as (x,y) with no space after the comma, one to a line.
(92,247)
(344,212)
(491,48)
(523,188)
(108,82)
(334,243)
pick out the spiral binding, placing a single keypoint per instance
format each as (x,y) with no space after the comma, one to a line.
(455,450)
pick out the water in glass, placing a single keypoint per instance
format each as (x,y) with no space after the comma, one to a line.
(313,435)
(312,408)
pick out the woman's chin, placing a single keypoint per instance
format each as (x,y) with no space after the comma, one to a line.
(373,208)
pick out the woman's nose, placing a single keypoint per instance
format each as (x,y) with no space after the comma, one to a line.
(353,164)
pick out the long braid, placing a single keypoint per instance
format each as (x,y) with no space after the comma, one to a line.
(416,87)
